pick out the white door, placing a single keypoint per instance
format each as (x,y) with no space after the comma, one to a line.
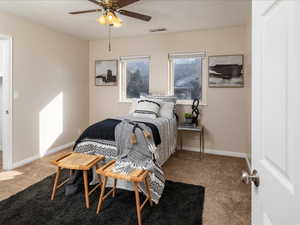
(7,102)
(276,111)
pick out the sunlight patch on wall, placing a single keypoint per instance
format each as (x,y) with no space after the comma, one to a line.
(50,123)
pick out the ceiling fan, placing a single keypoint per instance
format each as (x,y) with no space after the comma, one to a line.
(110,10)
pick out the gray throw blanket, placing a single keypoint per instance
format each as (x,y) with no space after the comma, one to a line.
(136,149)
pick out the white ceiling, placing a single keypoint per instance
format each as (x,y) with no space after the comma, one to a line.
(175,15)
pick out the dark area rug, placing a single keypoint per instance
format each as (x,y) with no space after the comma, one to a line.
(181,204)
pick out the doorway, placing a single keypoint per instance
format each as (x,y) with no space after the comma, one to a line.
(6,102)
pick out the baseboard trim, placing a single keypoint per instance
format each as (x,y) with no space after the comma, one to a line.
(216,152)
(186,148)
(25,161)
(35,157)
(59,148)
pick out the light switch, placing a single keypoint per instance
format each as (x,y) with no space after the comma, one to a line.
(16,95)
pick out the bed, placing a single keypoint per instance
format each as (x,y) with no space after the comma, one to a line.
(168,135)
(99,139)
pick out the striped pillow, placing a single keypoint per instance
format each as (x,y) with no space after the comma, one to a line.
(147,108)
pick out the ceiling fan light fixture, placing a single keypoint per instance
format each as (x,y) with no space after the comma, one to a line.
(117,22)
(102,20)
(110,17)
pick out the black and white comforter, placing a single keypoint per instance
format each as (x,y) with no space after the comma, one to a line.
(104,143)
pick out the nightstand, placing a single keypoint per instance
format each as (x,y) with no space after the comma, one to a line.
(199,130)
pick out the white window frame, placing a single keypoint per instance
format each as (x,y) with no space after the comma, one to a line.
(171,75)
(123,76)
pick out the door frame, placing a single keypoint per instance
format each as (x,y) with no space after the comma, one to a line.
(7,111)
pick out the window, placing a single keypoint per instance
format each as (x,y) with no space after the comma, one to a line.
(186,77)
(134,77)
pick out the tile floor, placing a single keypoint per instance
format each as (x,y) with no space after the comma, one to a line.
(227,200)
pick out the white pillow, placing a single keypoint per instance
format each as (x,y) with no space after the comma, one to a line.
(167,110)
(148,108)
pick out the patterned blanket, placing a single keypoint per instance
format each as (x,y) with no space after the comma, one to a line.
(137,150)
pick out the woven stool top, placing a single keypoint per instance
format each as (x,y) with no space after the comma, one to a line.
(137,175)
(77,161)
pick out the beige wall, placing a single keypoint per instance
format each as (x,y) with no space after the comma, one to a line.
(46,64)
(226,116)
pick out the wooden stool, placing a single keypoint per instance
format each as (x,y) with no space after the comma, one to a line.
(137,176)
(76,161)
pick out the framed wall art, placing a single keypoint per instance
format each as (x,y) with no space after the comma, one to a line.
(106,72)
(226,71)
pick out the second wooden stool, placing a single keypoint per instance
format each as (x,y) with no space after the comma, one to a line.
(137,176)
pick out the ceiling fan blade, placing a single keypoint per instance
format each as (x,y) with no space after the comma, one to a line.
(96,2)
(135,15)
(123,3)
(85,11)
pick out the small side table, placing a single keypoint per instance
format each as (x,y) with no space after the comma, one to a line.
(200,130)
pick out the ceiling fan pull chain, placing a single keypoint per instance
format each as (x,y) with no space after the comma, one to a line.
(109,37)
